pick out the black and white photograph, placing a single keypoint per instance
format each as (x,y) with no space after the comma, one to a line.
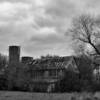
(49,49)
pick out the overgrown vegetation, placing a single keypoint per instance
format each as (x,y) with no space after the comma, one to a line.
(18,77)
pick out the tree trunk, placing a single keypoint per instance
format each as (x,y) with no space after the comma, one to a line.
(96,49)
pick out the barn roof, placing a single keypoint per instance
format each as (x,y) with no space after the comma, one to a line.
(52,63)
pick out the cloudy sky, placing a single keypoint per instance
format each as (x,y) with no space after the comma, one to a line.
(39,26)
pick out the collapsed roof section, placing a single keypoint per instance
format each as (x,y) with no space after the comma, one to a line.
(66,62)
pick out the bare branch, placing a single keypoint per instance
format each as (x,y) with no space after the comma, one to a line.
(86,30)
(83,40)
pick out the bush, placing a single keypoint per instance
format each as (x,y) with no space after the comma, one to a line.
(3,83)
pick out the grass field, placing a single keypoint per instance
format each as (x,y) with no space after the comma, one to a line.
(5,95)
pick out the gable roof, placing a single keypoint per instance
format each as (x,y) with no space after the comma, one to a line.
(83,64)
(54,63)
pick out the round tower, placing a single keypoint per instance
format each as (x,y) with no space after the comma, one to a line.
(14,54)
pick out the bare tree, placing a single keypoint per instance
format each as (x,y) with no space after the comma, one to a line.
(86,30)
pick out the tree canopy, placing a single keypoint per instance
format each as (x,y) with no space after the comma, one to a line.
(85,31)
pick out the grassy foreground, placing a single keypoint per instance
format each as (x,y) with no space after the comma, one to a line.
(5,95)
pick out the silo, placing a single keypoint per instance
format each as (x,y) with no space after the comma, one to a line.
(14,54)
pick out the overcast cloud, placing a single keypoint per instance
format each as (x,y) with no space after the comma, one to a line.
(38,26)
